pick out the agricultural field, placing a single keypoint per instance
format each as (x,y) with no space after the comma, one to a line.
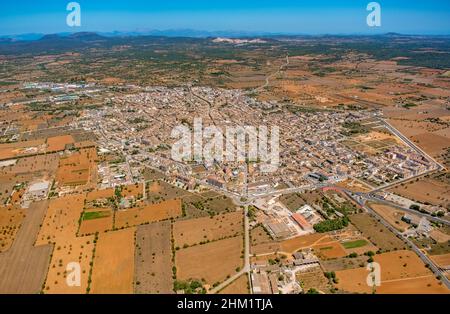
(61,220)
(148,213)
(20,149)
(26,170)
(259,235)
(401,272)
(96,220)
(78,168)
(392,215)
(153,259)
(302,242)
(220,259)
(292,201)
(324,246)
(198,205)
(313,278)
(206,229)
(428,191)
(132,190)
(113,268)
(70,250)
(158,191)
(344,263)
(10,221)
(26,275)
(441,260)
(432,143)
(432,247)
(376,233)
(239,286)
(99,194)
(330,251)
(58,143)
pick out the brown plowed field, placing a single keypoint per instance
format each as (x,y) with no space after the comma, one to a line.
(153,259)
(194,231)
(113,269)
(212,262)
(23,267)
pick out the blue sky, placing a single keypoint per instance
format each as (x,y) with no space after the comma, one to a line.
(278,16)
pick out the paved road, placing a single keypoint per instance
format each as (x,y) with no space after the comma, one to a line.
(412,211)
(408,142)
(422,256)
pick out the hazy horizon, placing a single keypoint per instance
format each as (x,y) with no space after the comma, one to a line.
(346,17)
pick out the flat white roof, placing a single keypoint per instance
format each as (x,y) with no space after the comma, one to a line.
(6,163)
(39,186)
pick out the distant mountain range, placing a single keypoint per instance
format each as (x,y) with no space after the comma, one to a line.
(163,33)
(174,33)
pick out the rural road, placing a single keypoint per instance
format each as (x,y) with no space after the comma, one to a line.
(267,82)
(412,211)
(246,268)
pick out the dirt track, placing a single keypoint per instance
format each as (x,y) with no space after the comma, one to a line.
(23,267)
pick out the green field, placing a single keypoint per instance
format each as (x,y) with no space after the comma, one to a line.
(95,215)
(354,244)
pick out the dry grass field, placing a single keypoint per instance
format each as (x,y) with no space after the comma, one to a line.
(148,213)
(239,286)
(194,231)
(158,191)
(10,221)
(61,220)
(78,250)
(26,170)
(25,148)
(330,250)
(344,263)
(211,262)
(295,244)
(133,190)
(99,194)
(153,259)
(401,272)
(24,266)
(391,215)
(258,235)
(79,168)
(442,260)
(431,143)
(374,231)
(439,236)
(113,269)
(58,143)
(92,224)
(291,245)
(324,246)
(425,190)
(313,278)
